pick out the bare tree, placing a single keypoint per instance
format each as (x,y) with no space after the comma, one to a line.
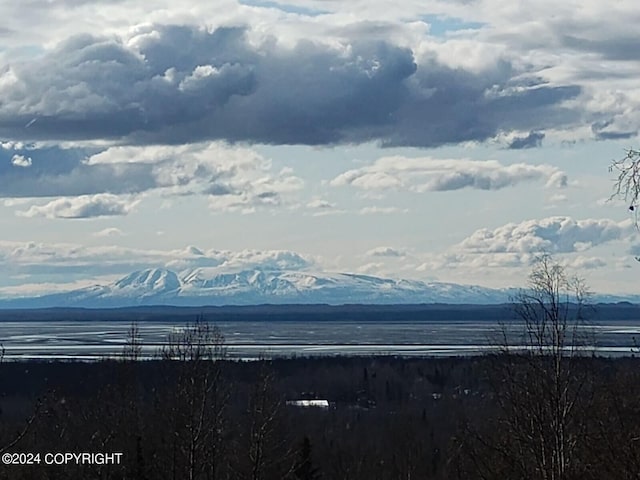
(541,389)
(133,344)
(199,400)
(627,184)
(304,469)
(263,450)
(553,311)
(23,432)
(29,422)
(196,343)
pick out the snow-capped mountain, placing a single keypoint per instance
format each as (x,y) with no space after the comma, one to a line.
(152,280)
(209,286)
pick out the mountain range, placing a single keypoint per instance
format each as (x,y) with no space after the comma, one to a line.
(209,286)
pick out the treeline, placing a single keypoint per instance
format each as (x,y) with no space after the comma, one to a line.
(423,313)
(193,415)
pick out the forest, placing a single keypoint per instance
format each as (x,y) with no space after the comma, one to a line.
(387,418)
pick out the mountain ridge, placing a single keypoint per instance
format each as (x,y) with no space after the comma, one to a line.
(210,286)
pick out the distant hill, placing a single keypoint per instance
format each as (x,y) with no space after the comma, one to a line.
(423,313)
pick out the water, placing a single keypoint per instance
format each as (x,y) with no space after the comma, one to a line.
(249,340)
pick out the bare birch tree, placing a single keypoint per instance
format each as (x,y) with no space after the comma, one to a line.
(199,400)
(542,391)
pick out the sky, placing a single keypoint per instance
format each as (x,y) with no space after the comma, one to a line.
(444,141)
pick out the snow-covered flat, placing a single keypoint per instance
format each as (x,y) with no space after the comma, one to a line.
(247,340)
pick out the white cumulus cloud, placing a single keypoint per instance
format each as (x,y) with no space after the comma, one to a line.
(552,234)
(436,175)
(85,206)
(21,161)
(109,232)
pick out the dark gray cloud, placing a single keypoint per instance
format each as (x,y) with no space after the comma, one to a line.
(617,47)
(462,106)
(57,172)
(178,84)
(217,189)
(533,140)
(607,130)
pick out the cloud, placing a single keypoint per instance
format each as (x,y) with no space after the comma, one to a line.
(133,169)
(436,175)
(474,263)
(232,84)
(557,179)
(21,161)
(320,204)
(512,248)
(324,208)
(521,53)
(376,210)
(225,260)
(372,268)
(533,140)
(285,7)
(45,288)
(109,232)
(66,260)
(581,262)
(265,191)
(612,130)
(232,177)
(556,198)
(385,252)
(552,235)
(39,258)
(66,172)
(272,259)
(503,256)
(85,206)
